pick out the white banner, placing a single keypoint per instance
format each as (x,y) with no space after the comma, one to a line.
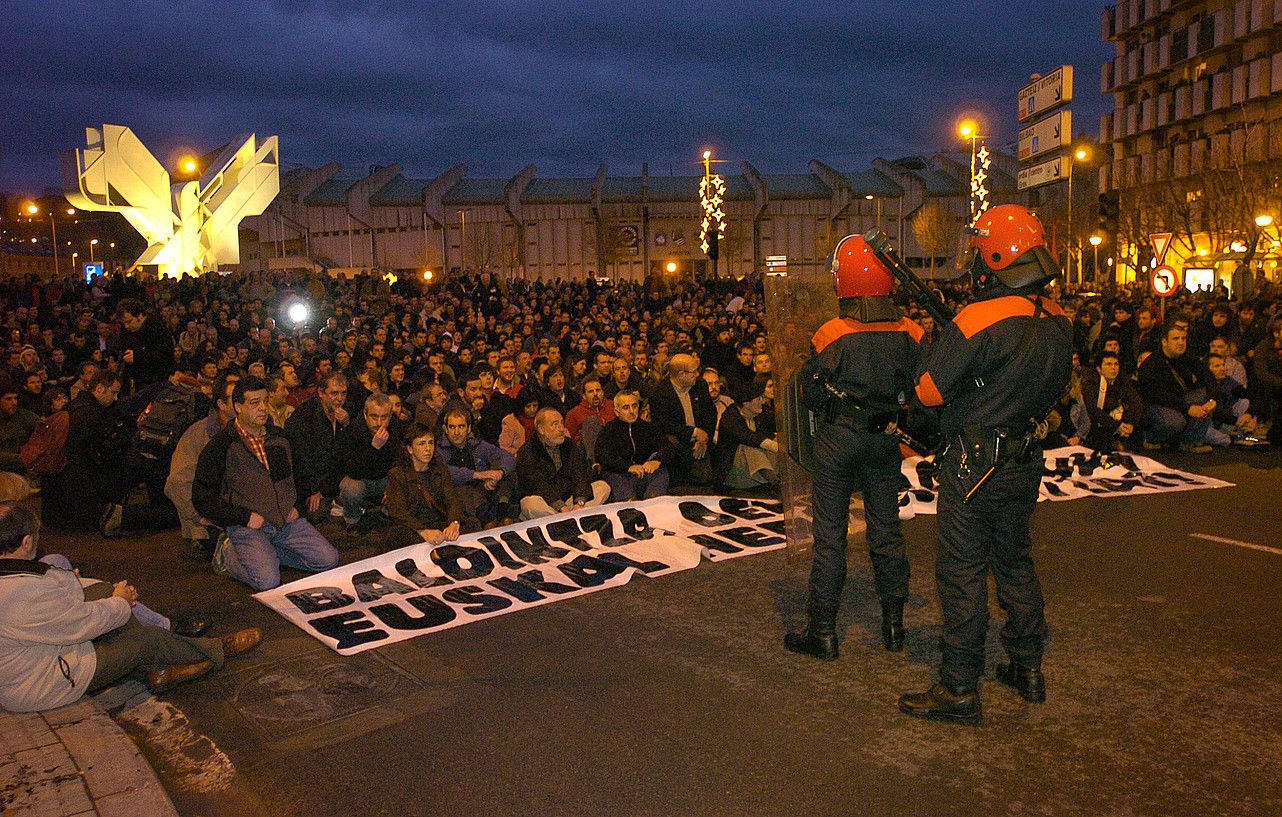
(1071,473)
(422,589)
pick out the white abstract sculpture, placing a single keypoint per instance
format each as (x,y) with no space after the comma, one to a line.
(190,227)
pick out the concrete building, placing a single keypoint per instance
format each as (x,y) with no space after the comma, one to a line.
(1196,130)
(621,227)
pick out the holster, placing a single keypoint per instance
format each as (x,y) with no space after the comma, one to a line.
(984,451)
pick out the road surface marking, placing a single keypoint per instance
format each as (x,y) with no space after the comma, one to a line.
(1236,542)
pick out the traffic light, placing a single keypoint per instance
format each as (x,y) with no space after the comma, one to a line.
(1110,209)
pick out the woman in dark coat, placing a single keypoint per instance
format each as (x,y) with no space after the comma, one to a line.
(420,497)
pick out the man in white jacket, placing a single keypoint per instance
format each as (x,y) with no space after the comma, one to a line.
(59,640)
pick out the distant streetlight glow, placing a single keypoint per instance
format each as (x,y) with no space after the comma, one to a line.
(968,129)
(32,210)
(189,165)
(1096,240)
(671,267)
(1263,220)
(427,275)
(298,312)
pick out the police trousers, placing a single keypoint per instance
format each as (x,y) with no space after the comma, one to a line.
(850,458)
(989,532)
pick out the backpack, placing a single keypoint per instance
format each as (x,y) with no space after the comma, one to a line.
(45,452)
(164,420)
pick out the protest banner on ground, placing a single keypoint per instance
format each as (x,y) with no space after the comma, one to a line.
(422,589)
(1071,473)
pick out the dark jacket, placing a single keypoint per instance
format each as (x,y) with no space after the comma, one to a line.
(358,458)
(669,417)
(421,499)
(475,455)
(313,438)
(536,473)
(1022,364)
(153,349)
(1120,393)
(1175,384)
(96,442)
(621,445)
(734,432)
(231,482)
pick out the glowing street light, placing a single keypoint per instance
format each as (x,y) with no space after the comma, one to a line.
(93,242)
(298,312)
(980,160)
(188,164)
(1081,154)
(671,267)
(32,209)
(427,275)
(1096,240)
(1263,220)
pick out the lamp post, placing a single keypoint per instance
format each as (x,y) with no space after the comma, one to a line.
(93,242)
(969,129)
(1095,242)
(33,209)
(712,193)
(1078,155)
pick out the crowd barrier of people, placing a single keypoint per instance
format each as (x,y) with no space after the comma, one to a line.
(422,413)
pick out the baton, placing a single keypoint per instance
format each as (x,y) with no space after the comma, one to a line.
(879,242)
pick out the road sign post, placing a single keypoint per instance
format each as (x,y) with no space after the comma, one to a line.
(1164,281)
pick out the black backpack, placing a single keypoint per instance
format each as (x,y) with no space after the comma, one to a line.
(164,420)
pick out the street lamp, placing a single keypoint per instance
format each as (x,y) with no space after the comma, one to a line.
(1079,155)
(34,209)
(979,163)
(93,242)
(1096,240)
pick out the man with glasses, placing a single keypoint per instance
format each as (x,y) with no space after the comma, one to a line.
(684,414)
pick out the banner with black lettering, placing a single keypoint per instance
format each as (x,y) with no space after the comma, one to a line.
(423,588)
(1071,473)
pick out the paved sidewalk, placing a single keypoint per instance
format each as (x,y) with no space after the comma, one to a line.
(75,761)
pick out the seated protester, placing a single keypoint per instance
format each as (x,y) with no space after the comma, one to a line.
(1232,405)
(278,407)
(31,395)
(631,452)
(682,409)
(182,465)
(431,400)
(245,484)
(298,393)
(482,472)
(60,639)
(1068,422)
(531,402)
(552,473)
(1233,366)
(1176,395)
(313,431)
(420,496)
(622,378)
(505,380)
(16,426)
(1266,371)
(95,448)
(557,394)
(740,372)
(747,452)
(1112,404)
(366,451)
(593,404)
(721,400)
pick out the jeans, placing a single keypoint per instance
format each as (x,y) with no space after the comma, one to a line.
(1164,424)
(624,487)
(255,555)
(353,492)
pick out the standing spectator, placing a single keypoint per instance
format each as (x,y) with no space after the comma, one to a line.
(245,484)
(420,497)
(552,473)
(313,431)
(148,346)
(632,453)
(366,451)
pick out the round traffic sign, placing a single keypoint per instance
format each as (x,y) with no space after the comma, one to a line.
(1165,279)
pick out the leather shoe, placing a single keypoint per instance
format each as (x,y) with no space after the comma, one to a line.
(1028,682)
(940,703)
(892,624)
(159,680)
(241,641)
(193,627)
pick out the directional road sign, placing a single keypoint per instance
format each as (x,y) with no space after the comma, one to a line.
(1044,173)
(776,265)
(1047,93)
(1049,134)
(1165,280)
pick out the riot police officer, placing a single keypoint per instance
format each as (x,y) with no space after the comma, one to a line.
(859,378)
(996,370)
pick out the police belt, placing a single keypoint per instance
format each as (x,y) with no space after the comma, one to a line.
(985,450)
(875,421)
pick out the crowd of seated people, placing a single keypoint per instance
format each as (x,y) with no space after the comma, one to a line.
(197,404)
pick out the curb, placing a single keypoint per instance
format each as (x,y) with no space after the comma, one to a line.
(75,761)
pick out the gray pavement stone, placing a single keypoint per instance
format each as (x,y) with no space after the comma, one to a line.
(26,730)
(42,782)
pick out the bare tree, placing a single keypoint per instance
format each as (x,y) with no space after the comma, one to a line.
(935,229)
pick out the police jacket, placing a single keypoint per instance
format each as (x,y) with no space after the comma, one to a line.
(1002,362)
(873,362)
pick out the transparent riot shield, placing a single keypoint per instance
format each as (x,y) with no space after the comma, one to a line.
(797,304)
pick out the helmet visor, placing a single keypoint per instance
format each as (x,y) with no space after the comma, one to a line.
(964,252)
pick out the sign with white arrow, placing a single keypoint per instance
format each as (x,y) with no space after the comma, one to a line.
(1050,134)
(1046,93)
(1044,173)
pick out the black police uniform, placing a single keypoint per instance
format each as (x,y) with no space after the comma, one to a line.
(874,363)
(1002,363)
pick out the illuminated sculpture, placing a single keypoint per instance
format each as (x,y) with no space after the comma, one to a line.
(190,227)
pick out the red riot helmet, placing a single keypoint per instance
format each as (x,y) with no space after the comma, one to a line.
(1008,242)
(856,270)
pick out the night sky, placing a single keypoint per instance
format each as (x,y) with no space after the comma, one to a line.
(563,85)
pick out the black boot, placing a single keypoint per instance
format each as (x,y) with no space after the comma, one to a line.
(819,639)
(1028,682)
(892,624)
(944,703)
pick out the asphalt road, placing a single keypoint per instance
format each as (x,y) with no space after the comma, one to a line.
(674,696)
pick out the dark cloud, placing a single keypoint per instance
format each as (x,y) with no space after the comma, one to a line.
(563,85)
